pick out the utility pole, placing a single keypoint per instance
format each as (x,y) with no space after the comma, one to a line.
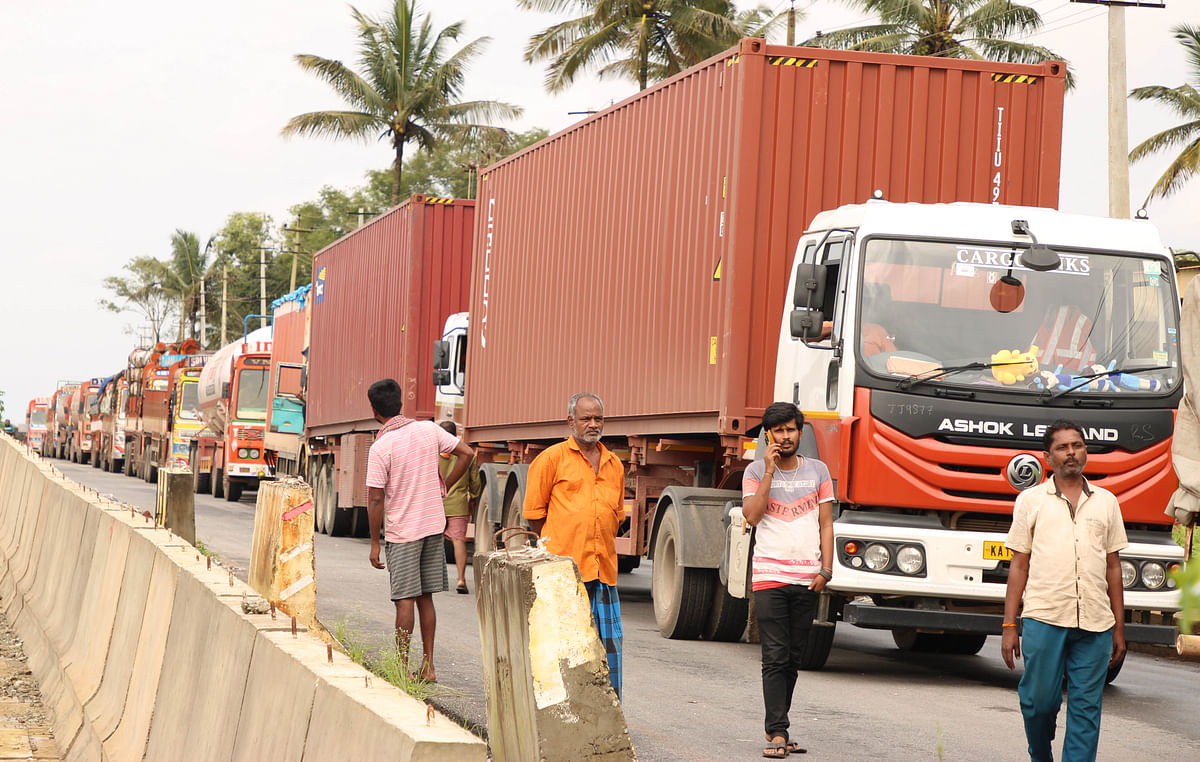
(224,299)
(262,285)
(1118,103)
(296,251)
(792,23)
(1118,117)
(203,322)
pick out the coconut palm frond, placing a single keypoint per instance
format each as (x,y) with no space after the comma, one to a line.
(334,124)
(1178,135)
(1183,100)
(1182,168)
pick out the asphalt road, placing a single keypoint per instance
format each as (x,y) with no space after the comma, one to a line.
(693,700)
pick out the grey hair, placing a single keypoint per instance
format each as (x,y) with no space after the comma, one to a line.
(576,397)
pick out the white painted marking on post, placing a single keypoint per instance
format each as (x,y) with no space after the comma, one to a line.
(296,587)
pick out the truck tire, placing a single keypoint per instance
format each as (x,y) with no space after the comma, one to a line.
(362,522)
(817,648)
(218,483)
(201,483)
(728,616)
(149,470)
(339,520)
(513,517)
(127,464)
(682,594)
(484,531)
(232,489)
(315,472)
(961,643)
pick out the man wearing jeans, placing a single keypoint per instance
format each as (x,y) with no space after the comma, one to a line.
(789,500)
(1065,537)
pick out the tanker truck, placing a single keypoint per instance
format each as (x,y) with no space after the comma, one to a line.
(689,261)
(228,454)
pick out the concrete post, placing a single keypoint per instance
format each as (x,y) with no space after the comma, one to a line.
(545,673)
(176,507)
(282,567)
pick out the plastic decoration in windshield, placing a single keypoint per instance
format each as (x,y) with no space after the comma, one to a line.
(941,313)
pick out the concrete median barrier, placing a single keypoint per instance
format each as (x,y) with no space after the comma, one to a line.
(142,650)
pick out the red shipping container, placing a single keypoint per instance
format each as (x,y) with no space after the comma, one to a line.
(643,253)
(379,298)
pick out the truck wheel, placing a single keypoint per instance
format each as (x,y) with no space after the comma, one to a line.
(682,594)
(339,520)
(218,483)
(127,464)
(483,528)
(322,494)
(513,518)
(232,490)
(201,483)
(149,470)
(820,643)
(314,471)
(727,618)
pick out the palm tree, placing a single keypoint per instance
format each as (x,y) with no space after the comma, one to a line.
(181,275)
(972,29)
(641,40)
(1184,101)
(407,87)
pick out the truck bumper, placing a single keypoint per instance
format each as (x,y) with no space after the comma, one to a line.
(887,618)
(955,564)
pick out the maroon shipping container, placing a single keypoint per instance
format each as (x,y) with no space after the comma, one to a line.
(380,296)
(643,254)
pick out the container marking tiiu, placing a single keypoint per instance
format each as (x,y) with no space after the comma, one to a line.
(803,63)
(487,270)
(1016,79)
(998,156)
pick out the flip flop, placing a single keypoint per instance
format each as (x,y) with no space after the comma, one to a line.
(795,748)
(461,590)
(776,751)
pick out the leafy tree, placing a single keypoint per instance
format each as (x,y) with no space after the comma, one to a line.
(641,40)
(142,292)
(407,88)
(1185,102)
(181,277)
(245,237)
(1,403)
(973,29)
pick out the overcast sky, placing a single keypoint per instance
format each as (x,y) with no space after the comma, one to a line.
(127,119)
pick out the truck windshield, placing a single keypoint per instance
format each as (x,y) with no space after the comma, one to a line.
(928,306)
(189,403)
(252,394)
(38,418)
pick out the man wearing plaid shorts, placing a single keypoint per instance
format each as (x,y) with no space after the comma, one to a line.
(403,483)
(574,498)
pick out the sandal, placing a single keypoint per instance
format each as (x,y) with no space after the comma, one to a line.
(776,751)
(795,748)
(461,589)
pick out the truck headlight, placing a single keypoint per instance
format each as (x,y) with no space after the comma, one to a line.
(1128,574)
(1154,575)
(877,556)
(243,453)
(910,559)
(254,453)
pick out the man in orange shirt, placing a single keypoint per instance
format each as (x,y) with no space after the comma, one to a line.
(574,499)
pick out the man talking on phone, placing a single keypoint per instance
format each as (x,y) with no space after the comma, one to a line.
(789,499)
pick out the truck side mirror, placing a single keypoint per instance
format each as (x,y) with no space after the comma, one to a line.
(810,285)
(807,324)
(225,390)
(441,356)
(441,377)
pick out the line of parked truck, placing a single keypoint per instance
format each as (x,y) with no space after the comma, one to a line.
(861,234)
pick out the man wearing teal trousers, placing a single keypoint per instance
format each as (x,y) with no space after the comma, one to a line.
(1065,537)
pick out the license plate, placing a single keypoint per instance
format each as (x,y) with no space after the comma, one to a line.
(995,551)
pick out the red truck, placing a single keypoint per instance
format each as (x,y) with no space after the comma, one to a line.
(284,442)
(729,260)
(227,454)
(109,437)
(378,300)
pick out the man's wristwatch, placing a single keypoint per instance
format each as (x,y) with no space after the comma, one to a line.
(826,573)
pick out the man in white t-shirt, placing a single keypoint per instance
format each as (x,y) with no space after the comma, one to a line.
(789,500)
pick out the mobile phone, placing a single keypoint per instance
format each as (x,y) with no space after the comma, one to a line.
(770,439)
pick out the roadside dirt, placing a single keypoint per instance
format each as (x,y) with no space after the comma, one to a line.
(26,730)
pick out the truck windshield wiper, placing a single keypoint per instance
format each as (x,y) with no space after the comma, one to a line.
(1048,396)
(918,378)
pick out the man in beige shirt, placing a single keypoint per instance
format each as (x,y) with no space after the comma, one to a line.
(1065,537)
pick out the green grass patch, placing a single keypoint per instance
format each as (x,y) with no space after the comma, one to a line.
(1178,534)
(205,550)
(385,660)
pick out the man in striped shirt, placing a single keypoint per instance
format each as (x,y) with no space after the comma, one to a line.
(789,500)
(404,485)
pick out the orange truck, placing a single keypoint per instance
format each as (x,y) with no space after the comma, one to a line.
(79,442)
(157,409)
(108,433)
(36,419)
(228,454)
(55,443)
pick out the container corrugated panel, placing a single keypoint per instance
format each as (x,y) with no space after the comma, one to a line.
(380,295)
(643,254)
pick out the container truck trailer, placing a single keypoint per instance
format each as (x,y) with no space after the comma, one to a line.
(661,283)
(284,441)
(227,454)
(379,297)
